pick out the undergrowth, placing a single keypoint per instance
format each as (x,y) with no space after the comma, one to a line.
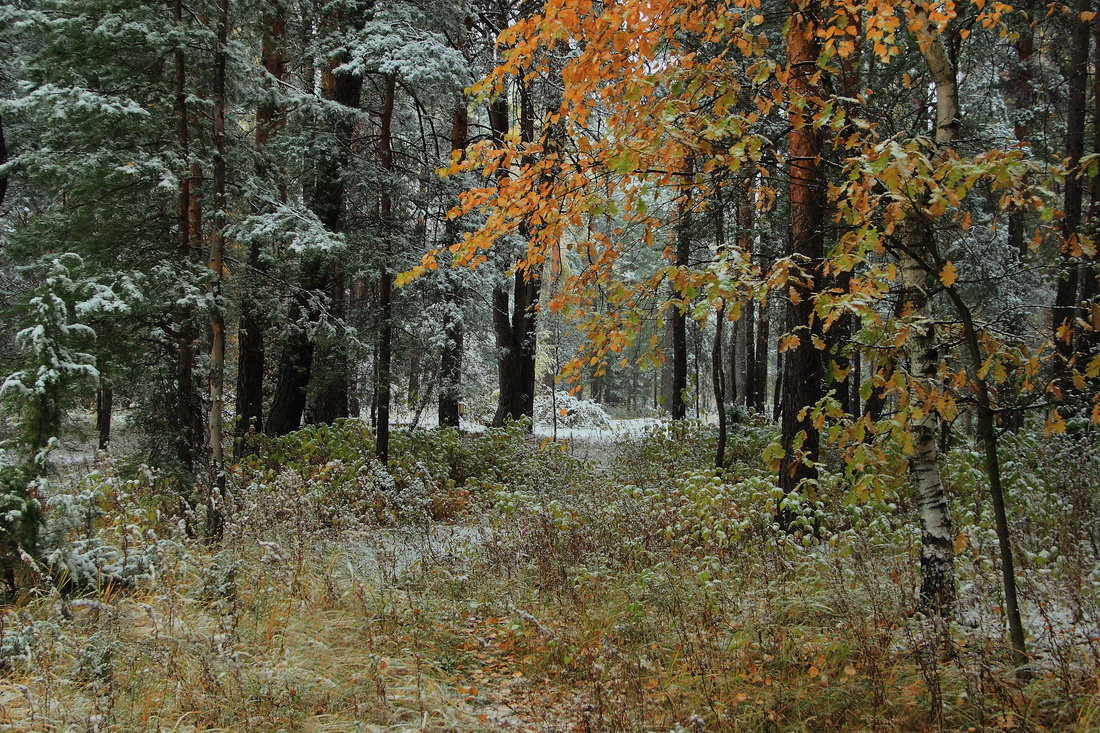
(490,582)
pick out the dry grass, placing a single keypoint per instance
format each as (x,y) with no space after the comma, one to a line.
(565,602)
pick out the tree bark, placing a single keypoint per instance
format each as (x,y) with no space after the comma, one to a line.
(250,336)
(678,317)
(1065,310)
(718,373)
(937,535)
(3,160)
(104,407)
(747,372)
(763,349)
(215,516)
(515,335)
(186,419)
(802,374)
(385,277)
(450,364)
(937,545)
(298,358)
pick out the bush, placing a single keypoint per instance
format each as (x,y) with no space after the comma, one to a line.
(571,412)
(327,476)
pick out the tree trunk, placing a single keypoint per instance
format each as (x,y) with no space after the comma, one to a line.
(747,349)
(1022,93)
(3,160)
(329,385)
(840,343)
(1090,274)
(678,317)
(328,390)
(186,410)
(937,536)
(719,387)
(104,406)
(385,277)
(298,357)
(215,517)
(987,433)
(250,337)
(937,545)
(295,359)
(802,374)
(763,349)
(855,379)
(1065,310)
(515,335)
(450,363)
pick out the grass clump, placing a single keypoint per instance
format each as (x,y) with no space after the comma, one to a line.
(649,593)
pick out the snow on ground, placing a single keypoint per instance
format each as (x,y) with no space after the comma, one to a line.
(385,555)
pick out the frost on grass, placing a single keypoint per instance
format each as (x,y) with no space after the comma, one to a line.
(570,411)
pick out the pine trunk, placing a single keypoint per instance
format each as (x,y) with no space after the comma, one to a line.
(385,278)
(215,515)
(1064,313)
(678,317)
(295,365)
(250,337)
(802,374)
(760,363)
(104,406)
(186,410)
(515,334)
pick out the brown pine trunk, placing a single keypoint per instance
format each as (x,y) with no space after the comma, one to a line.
(1090,276)
(678,317)
(802,374)
(385,277)
(104,406)
(763,349)
(186,418)
(250,337)
(450,361)
(3,160)
(1065,310)
(515,334)
(298,357)
(215,516)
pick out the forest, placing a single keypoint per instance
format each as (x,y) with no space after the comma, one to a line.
(549,365)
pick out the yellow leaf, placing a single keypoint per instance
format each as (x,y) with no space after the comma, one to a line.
(948,275)
(1055,424)
(814,671)
(961,541)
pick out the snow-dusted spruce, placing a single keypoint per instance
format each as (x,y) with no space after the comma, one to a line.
(53,367)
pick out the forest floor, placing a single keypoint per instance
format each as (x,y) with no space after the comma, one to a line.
(501,581)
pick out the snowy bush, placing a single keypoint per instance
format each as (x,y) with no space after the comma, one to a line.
(98,534)
(571,412)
